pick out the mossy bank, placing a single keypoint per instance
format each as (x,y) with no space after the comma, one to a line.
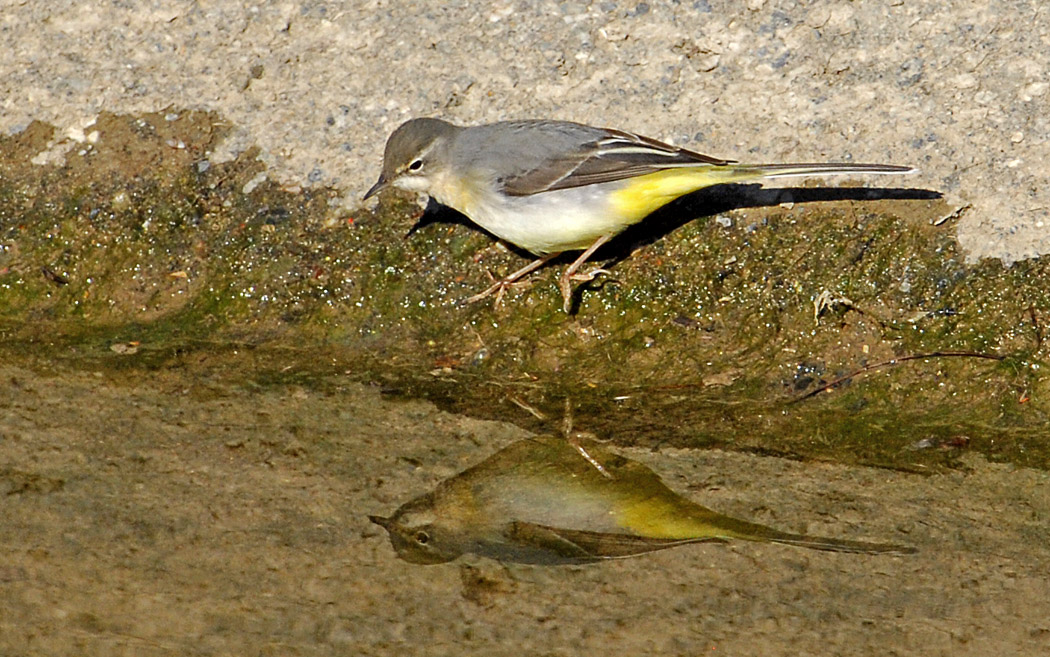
(128,251)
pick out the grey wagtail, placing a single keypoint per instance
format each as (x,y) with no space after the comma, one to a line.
(556,186)
(536,501)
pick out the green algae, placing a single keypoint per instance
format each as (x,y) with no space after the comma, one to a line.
(139,257)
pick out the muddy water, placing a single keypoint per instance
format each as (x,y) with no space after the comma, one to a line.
(211,382)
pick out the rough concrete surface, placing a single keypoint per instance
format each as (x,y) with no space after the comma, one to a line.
(956,88)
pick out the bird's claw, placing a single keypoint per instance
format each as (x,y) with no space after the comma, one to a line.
(589,276)
(499,288)
(566,281)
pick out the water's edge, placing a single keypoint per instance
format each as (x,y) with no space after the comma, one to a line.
(138,256)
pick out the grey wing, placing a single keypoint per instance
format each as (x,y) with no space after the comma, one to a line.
(560,155)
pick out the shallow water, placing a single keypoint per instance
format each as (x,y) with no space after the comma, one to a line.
(181,514)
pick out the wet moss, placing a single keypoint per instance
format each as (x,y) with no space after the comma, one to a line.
(720,315)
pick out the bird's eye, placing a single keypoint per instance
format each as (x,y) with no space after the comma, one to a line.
(422,538)
(416,165)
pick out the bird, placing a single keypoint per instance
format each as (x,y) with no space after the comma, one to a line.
(550,501)
(551,187)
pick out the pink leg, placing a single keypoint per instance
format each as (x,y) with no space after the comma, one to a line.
(570,274)
(502,284)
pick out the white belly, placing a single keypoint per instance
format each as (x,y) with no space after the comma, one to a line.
(550,222)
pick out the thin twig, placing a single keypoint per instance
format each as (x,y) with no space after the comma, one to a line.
(895,361)
(1038,328)
(528,408)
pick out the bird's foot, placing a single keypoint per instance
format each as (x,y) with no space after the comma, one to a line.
(590,276)
(576,438)
(576,441)
(566,281)
(499,288)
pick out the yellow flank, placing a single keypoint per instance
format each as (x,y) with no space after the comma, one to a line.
(643,195)
(662,516)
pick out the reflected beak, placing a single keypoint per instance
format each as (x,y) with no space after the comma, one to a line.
(380,184)
(379,520)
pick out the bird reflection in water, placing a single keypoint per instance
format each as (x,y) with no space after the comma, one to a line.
(540,501)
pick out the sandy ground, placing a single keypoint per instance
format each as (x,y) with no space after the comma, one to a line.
(956,88)
(186,517)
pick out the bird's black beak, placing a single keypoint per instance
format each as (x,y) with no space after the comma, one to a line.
(380,184)
(379,520)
